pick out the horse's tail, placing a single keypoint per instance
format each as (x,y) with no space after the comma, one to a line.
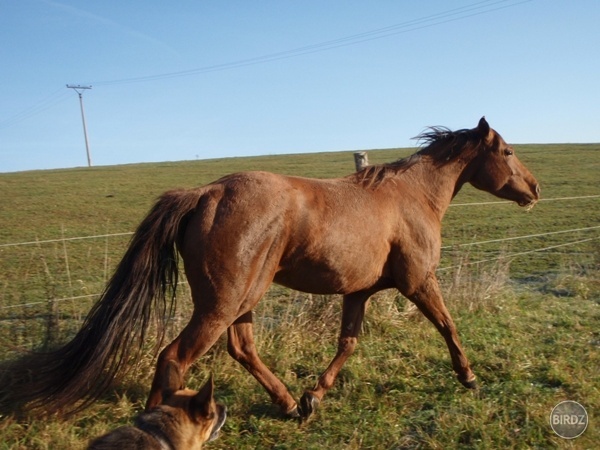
(70,378)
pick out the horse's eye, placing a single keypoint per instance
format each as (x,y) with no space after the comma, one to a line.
(508,152)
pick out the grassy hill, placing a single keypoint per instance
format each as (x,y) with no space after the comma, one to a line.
(528,316)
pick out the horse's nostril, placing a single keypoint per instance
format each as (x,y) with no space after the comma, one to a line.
(537,189)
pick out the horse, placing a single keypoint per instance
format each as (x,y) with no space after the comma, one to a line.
(375,229)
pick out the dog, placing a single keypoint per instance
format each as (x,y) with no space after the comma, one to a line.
(184,420)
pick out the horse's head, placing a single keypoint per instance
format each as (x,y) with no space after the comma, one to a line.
(497,169)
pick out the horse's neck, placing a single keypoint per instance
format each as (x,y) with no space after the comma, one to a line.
(439,182)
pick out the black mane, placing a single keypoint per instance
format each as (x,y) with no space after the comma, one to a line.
(443,144)
(440,144)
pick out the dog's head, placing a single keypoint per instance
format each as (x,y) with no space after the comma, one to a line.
(184,420)
(196,416)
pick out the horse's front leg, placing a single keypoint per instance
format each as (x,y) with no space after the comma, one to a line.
(428,299)
(353,311)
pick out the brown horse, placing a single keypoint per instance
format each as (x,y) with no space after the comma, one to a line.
(376,229)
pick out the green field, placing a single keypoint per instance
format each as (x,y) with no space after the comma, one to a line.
(527,306)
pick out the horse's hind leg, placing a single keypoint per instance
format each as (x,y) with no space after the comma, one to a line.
(240,346)
(196,338)
(353,311)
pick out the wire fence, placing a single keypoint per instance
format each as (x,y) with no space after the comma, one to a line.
(505,256)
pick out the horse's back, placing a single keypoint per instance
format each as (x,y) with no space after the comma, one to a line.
(309,234)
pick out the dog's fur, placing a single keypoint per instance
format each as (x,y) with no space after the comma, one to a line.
(184,420)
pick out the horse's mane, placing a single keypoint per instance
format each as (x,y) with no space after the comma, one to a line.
(373,176)
(438,144)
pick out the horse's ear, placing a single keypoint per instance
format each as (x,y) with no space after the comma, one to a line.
(484,128)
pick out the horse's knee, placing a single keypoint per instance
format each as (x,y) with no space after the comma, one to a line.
(235,352)
(242,353)
(240,342)
(346,345)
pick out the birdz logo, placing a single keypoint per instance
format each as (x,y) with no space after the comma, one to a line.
(569,419)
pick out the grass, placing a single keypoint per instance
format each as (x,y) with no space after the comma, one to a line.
(528,323)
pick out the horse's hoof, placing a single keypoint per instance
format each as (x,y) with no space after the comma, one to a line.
(308,405)
(470,384)
(293,413)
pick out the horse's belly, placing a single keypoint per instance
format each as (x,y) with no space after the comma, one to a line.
(317,279)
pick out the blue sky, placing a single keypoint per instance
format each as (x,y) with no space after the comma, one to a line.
(206,79)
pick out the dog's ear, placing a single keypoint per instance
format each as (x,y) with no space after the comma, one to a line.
(173,381)
(202,402)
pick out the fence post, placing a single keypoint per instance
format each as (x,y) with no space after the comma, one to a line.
(361,160)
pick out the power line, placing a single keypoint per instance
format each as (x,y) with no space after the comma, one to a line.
(451,15)
(42,105)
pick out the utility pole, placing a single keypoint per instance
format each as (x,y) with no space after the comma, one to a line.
(79,89)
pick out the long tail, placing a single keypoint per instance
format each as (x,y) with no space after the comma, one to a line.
(70,378)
